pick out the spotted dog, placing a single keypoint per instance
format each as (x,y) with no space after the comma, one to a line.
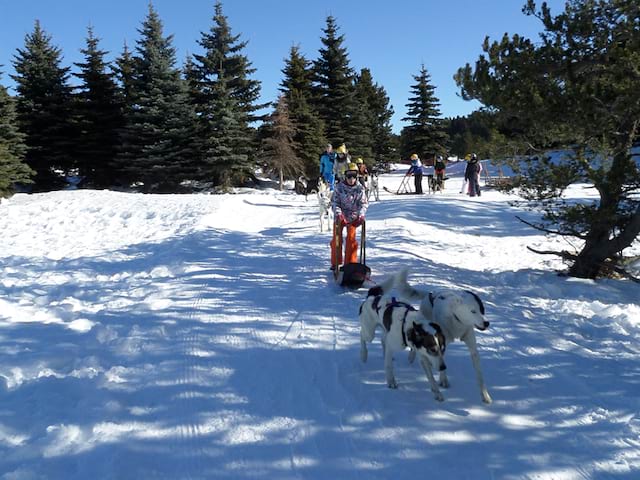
(458,313)
(402,326)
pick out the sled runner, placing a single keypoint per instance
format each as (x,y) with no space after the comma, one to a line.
(352,275)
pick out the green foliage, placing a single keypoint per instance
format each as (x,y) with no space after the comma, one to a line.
(98,117)
(44,109)
(334,93)
(579,87)
(160,123)
(12,148)
(224,70)
(375,103)
(296,86)
(223,162)
(425,134)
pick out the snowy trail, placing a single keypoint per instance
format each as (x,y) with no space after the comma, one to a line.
(197,337)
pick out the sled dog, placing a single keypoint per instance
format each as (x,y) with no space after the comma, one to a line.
(458,313)
(402,326)
(324,205)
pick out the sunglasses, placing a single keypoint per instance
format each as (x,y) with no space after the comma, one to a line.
(351,175)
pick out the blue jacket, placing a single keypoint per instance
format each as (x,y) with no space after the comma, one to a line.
(326,164)
(415,168)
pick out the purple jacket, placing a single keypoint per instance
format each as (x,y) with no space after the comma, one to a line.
(350,201)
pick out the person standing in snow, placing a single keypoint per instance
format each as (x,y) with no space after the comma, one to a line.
(416,170)
(349,208)
(363,173)
(326,165)
(342,160)
(440,166)
(472,175)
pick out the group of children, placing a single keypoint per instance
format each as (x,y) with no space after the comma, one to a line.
(333,165)
(347,181)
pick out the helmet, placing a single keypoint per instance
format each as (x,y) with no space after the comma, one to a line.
(414,156)
(474,156)
(439,157)
(359,160)
(342,149)
(352,166)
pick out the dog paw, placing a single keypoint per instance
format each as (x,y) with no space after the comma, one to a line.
(393,385)
(486,398)
(439,397)
(444,383)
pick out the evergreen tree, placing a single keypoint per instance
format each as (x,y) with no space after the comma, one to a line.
(334,94)
(224,162)
(159,130)
(44,109)
(578,86)
(12,148)
(278,148)
(425,134)
(223,57)
(98,115)
(223,62)
(378,143)
(296,86)
(124,71)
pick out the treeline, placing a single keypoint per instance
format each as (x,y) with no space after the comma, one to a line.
(142,122)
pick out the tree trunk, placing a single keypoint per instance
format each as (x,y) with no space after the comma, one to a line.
(599,247)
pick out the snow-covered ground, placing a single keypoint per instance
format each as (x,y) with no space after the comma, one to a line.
(201,337)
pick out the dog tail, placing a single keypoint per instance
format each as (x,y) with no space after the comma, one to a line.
(405,290)
(382,288)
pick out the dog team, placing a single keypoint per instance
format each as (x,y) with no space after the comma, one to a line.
(442,317)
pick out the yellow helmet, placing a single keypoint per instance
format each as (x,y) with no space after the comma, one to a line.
(359,160)
(352,166)
(414,156)
(342,149)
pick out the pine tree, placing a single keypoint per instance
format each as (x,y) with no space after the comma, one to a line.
(124,70)
(223,62)
(334,85)
(12,148)
(158,132)
(223,57)
(224,161)
(279,148)
(44,109)
(376,100)
(425,134)
(296,87)
(98,115)
(578,86)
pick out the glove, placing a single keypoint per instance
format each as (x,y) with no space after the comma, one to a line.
(340,220)
(358,221)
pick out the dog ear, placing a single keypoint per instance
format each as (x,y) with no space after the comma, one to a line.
(477,299)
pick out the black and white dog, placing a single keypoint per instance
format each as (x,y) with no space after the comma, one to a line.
(458,313)
(402,326)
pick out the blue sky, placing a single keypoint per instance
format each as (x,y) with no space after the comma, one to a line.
(392,39)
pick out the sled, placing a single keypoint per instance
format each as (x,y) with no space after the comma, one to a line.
(403,188)
(353,274)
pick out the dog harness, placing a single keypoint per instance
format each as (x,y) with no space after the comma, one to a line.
(387,316)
